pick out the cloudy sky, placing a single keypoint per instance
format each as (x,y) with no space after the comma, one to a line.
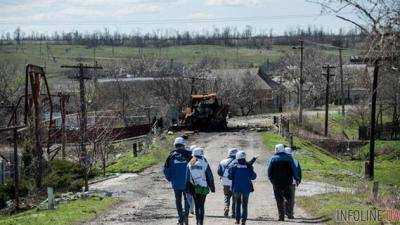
(150,15)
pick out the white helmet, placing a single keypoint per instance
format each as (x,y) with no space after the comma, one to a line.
(288,151)
(192,147)
(232,152)
(279,148)
(179,141)
(240,155)
(198,151)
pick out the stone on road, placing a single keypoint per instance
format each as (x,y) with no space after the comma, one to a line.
(148,198)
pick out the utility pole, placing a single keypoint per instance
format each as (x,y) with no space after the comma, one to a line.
(369,165)
(301,82)
(81,77)
(16,169)
(342,101)
(328,76)
(15,129)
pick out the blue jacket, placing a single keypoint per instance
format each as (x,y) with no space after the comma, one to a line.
(175,168)
(242,175)
(282,170)
(298,169)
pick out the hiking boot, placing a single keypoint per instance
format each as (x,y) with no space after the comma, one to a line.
(281,218)
(186,222)
(226,211)
(243,222)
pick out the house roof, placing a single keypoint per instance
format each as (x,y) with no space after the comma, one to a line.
(239,74)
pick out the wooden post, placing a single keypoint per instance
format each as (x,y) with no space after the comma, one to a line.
(290,140)
(135,149)
(2,174)
(2,180)
(375,190)
(342,101)
(50,198)
(328,76)
(373,122)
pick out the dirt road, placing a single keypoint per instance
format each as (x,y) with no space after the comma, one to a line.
(148,199)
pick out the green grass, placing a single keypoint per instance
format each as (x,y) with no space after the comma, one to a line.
(73,212)
(127,163)
(35,53)
(319,165)
(387,166)
(327,205)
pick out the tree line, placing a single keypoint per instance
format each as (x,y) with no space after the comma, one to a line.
(228,36)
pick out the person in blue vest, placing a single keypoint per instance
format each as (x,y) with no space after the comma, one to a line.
(282,173)
(200,181)
(223,172)
(175,169)
(242,175)
(289,205)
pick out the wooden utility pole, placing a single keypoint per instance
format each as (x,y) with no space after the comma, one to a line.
(328,76)
(16,168)
(301,82)
(342,98)
(15,130)
(369,165)
(81,77)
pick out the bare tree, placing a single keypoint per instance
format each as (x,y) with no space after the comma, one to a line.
(314,60)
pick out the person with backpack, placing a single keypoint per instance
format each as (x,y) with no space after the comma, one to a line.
(289,205)
(175,169)
(223,172)
(200,181)
(189,195)
(282,173)
(242,175)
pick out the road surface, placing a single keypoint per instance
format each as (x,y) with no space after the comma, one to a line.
(148,199)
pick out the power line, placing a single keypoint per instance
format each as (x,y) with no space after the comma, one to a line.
(177,20)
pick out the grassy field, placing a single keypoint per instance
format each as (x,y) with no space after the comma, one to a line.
(70,213)
(127,163)
(319,165)
(52,55)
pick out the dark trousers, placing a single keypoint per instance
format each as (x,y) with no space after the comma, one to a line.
(242,201)
(289,205)
(199,202)
(182,213)
(284,197)
(227,200)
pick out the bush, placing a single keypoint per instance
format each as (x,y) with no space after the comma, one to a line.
(64,175)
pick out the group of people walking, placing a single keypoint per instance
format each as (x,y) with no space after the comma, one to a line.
(190,175)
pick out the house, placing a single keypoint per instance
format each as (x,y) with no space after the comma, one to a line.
(266,96)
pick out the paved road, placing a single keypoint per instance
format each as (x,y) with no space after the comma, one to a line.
(148,199)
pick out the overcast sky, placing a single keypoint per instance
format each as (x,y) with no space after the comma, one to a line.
(150,15)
